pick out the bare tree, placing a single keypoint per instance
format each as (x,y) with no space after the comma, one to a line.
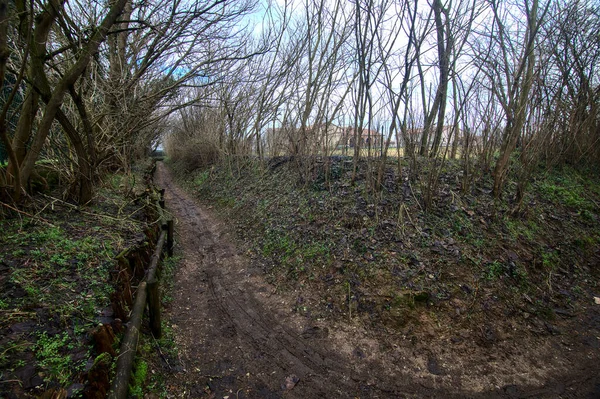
(511,69)
(108,76)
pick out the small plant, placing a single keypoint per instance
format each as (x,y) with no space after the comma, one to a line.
(50,353)
(115,180)
(550,260)
(60,259)
(37,254)
(495,269)
(577,290)
(18,252)
(201,178)
(24,278)
(513,228)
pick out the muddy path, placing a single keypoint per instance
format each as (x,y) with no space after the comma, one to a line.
(239,338)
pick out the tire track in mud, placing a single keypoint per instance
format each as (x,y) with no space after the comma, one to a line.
(237,338)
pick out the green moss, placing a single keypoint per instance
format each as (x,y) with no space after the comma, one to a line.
(104,358)
(138,379)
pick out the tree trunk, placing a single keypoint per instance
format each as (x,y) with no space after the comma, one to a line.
(4,55)
(444,43)
(63,85)
(518,107)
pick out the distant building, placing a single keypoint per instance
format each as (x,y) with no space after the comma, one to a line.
(448,135)
(318,139)
(278,141)
(365,139)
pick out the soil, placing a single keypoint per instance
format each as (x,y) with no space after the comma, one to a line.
(239,336)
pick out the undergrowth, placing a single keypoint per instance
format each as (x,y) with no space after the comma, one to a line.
(347,245)
(56,263)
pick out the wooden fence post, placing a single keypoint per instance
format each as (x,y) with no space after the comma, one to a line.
(154,307)
(170,237)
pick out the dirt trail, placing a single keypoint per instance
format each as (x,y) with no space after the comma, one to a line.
(239,339)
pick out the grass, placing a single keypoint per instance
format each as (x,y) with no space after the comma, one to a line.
(521,229)
(56,265)
(571,189)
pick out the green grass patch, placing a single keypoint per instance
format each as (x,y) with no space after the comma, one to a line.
(570,188)
(201,178)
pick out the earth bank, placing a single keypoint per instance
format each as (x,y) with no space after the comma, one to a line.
(467,296)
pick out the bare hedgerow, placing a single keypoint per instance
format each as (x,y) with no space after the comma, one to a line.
(193,142)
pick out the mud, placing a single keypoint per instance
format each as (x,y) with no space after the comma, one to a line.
(238,337)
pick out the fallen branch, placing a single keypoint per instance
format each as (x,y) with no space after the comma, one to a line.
(161,353)
(27,214)
(102,215)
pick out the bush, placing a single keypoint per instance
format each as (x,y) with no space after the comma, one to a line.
(194,154)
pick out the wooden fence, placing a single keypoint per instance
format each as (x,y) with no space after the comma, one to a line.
(147,292)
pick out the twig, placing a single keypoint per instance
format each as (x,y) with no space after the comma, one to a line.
(13,312)
(27,214)
(13,347)
(160,352)
(411,221)
(349,303)
(136,211)
(413,194)
(102,215)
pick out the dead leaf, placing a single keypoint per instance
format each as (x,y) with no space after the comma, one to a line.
(597,300)
(290,382)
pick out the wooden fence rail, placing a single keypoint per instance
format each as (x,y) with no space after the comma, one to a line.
(147,292)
